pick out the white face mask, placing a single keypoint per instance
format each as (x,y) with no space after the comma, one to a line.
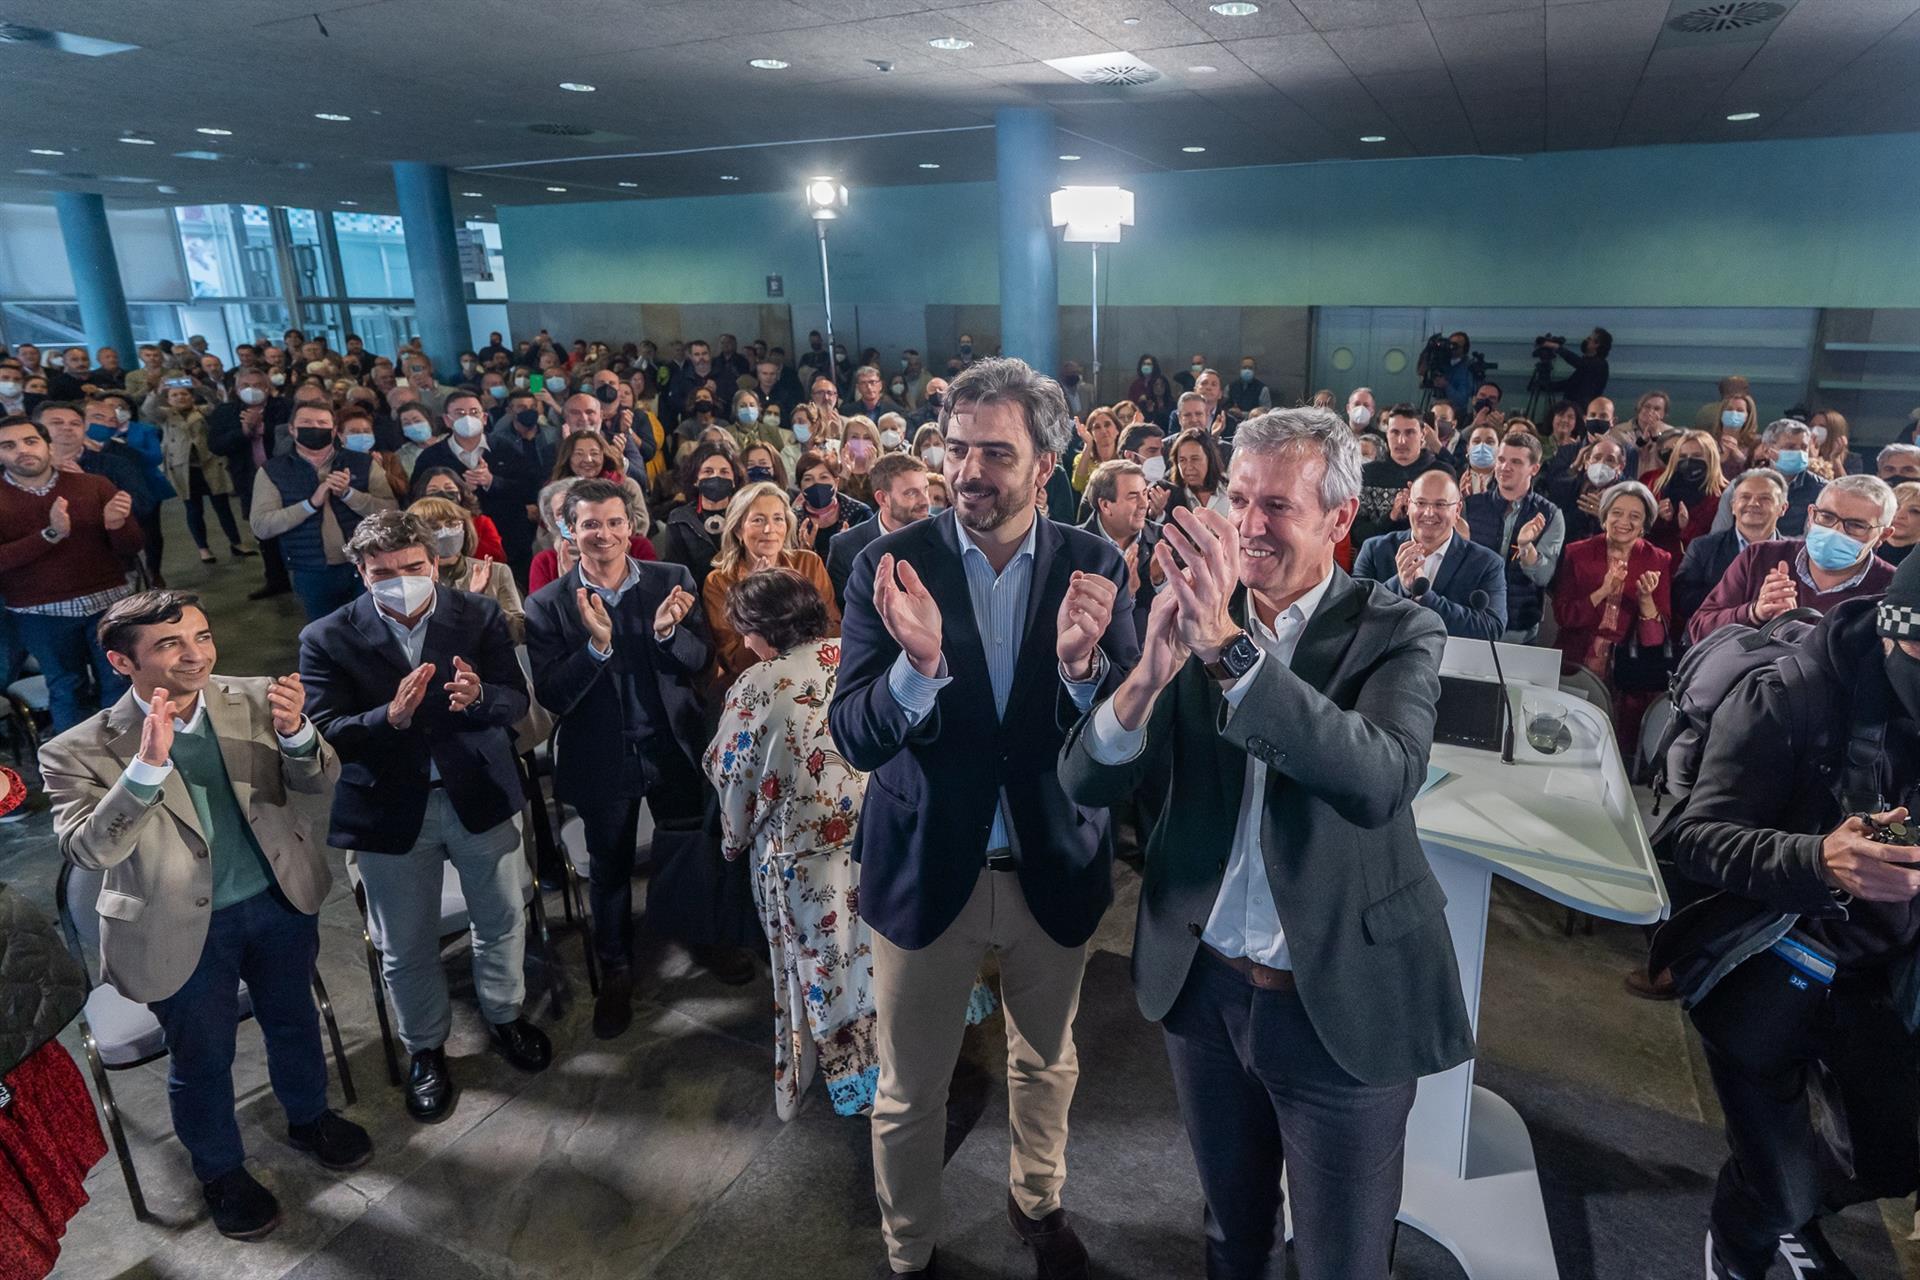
(252,395)
(277,378)
(1599,473)
(934,456)
(449,540)
(403,595)
(1156,469)
(1360,415)
(889,439)
(469,425)
(9,389)
(122,416)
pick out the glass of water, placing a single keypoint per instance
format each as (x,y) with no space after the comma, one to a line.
(1546,725)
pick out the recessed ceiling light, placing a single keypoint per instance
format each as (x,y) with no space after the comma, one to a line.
(1203,70)
(44,151)
(574,86)
(1069,157)
(215,133)
(1373,137)
(951,43)
(472,195)
(1129,22)
(350,202)
(924,164)
(629,184)
(561,189)
(729,177)
(331,115)
(138,142)
(1740,117)
(1234,8)
(767,64)
(1193,151)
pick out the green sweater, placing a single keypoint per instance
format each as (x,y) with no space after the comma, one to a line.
(240,869)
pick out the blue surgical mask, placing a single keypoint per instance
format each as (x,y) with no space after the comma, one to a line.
(100,431)
(1246,375)
(1831,549)
(1733,419)
(560,527)
(498,391)
(1480,456)
(746,415)
(359,443)
(418,432)
(1791,462)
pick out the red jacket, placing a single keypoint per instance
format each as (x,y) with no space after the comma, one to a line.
(1583,567)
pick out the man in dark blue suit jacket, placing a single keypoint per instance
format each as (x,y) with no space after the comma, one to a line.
(899,498)
(971,643)
(417,689)
(617,646)
(1117,494)
(1400,560)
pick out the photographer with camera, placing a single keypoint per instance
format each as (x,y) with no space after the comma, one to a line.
(1797,966)
(1588,381)
(1446,370)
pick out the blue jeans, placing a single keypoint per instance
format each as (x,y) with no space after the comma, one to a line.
(324,589)
(65,648)
(270,946)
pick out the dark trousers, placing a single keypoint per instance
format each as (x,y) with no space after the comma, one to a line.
(270,946)
(1771,1043)
(324,589)
(1257,1091)
(674,795)
(273,565)
(153,540)
(195,500)
(66,649)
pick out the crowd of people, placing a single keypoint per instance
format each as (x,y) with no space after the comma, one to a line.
(889,661)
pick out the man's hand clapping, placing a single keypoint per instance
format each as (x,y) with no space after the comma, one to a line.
(1085,613)
(907,609)
(407,698)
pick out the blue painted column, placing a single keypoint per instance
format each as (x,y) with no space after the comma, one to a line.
(433,258)
(1024,164)
(96,273)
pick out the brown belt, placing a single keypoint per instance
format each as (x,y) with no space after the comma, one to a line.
(1257,975)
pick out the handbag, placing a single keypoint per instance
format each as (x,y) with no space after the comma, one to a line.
(1639,668)
(42,986)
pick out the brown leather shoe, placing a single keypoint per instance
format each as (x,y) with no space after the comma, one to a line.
(1057,1251)
(1658,987)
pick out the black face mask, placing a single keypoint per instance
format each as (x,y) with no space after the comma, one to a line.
(606,393)
(715,489)
(314,438)
(936,398)
(1903,673)
(1691,474)
(818,496)
(704,409)
(528,418)
(1598,426)
(758,474)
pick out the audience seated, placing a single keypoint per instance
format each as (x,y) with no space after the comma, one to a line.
(1904,532)
(1384,482)
(1786,446)
(1437,565)
(757,532)
(1759,496)
(899,498)
(1578,490)
(1519,525)
(1834,563)
(1613,601)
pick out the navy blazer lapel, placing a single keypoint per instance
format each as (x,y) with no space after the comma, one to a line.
(378,635)
(1450,563)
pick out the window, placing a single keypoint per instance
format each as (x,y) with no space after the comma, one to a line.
(382,326)
(44,324)
(312,259)
(229,251)
(373,256)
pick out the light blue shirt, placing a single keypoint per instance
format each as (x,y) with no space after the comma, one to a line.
(1000,615)
(413,643)
(612,599)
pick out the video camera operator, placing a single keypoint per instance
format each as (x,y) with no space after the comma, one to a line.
(1446,370)
(1588,381)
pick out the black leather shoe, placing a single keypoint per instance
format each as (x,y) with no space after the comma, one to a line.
(521,1043)
(333,1140)
(731,965)
(239,552)
(929,1272)
(267,593)
(613,1010)
(241,1208)
(429,1087)
(1056,1248)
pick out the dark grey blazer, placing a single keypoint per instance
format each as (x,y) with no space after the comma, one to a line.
(1345,735)
(843,549)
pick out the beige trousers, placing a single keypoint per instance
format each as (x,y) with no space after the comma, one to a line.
(921,1001)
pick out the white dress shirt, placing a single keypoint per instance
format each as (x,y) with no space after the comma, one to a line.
(1244,921)
(1430,567)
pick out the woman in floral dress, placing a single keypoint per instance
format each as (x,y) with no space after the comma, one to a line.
(790,802)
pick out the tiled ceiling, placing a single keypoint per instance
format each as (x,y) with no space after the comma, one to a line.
(678,111)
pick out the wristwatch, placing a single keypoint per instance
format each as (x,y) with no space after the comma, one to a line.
(1237,657)
(52,538)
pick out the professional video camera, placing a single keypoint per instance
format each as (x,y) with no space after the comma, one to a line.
(1541,351)
(1438,354)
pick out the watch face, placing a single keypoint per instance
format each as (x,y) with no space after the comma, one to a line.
(1240,656)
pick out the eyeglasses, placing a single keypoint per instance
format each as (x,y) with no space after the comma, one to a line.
(1432,508)
(1858,530)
